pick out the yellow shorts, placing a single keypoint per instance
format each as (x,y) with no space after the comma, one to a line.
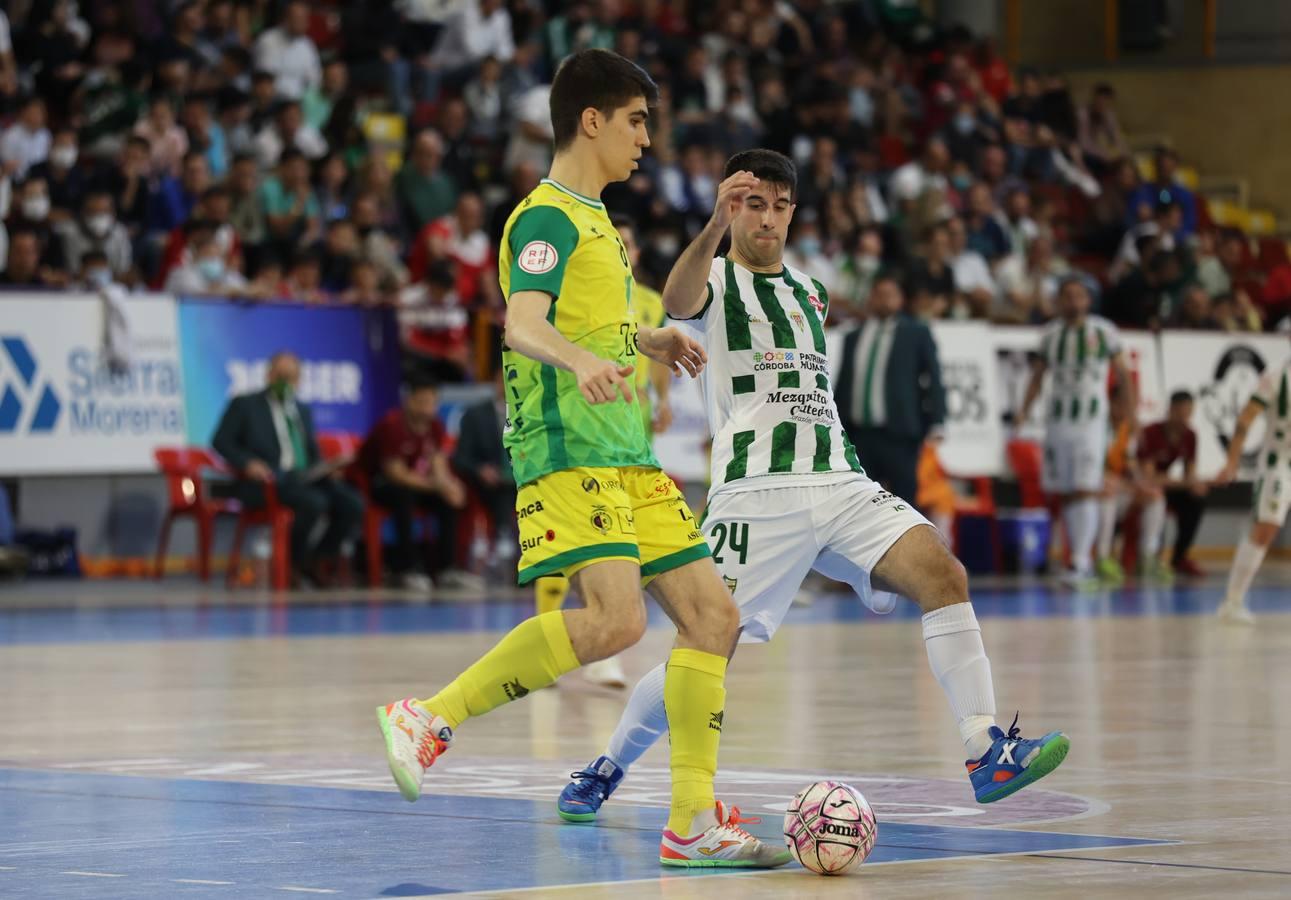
(576,517)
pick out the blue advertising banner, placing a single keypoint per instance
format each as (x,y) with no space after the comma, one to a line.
(349,360)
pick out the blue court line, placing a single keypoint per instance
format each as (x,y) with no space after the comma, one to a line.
(161,836)
(160,623)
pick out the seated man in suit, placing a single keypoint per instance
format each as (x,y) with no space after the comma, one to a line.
(890,395)
(482,460)
(405,460)
(268,435)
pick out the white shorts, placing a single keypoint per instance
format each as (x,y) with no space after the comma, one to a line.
(1074,459)
(1273,495)
(766,541)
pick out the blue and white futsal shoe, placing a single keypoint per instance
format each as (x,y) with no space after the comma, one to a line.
(1013,762)
(582,798)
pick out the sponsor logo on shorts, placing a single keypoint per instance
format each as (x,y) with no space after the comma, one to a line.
(533,543)
(526,511)
(662,485)
(595,486)
(601,520)
(886,498)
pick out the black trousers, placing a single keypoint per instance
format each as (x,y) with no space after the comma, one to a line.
(889,459)
(311,502)
(500,501)
(404,505)
(1187,508)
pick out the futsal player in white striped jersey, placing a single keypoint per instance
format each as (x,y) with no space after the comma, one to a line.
(789,494)
(1077,350)
(1272,498)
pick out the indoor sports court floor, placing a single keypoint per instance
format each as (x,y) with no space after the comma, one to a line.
(156,741)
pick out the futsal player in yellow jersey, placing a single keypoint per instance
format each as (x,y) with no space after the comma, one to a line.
(592,503)
(551,591)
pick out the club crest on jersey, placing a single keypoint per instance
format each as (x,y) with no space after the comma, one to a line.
(798,320)
(537,257)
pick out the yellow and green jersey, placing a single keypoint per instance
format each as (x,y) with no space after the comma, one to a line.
(563,244)
(648,304)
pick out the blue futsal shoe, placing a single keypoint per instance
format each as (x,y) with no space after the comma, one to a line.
(1013,762)
(582,797)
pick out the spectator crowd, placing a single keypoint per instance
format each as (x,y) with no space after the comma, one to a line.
(369,152)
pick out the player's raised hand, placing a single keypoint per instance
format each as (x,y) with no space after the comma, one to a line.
(673,348)
(601,381)
(730,197)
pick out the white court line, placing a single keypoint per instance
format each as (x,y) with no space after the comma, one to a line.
(94,874)
(199,881)
(8,869)
(305,890)
(119,763)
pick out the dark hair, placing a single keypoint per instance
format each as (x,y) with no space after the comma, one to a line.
(765,165)
(93,256)
(421,383)
(599,79)
(1181,397)
(893,275)
(441,273)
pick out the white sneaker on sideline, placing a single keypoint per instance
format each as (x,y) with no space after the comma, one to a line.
(416,581)
(606,673)
(458,579)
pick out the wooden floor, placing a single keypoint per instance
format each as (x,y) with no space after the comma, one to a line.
(167,743)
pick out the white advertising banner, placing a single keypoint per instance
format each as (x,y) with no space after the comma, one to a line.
(1222,371)
(64,409)
(974,441)
(683,450)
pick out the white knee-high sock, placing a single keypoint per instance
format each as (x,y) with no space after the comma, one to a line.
(1246,562)
(1153,524)
(1081,518)
(958,662)
(1107,516)
(643,721)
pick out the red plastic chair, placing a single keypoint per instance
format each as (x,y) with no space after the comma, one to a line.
(1025,458)
(182,468)
(277,518)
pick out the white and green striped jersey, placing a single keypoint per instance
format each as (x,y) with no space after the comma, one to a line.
(1274,394)
(1078,358)
(766,387)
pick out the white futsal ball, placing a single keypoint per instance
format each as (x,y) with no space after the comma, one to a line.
(830,828)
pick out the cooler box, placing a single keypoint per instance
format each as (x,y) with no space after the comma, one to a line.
(1024,536)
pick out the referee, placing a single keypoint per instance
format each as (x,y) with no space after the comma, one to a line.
(889,389)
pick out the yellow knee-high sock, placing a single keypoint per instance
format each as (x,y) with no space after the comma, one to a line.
(549,593)
(694,695)
(532,656)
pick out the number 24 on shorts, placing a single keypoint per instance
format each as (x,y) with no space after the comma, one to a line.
(736,540)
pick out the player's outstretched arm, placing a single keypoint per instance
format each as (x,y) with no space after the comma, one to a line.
(684,294)
(528,332)
(673,348)
(1249,414)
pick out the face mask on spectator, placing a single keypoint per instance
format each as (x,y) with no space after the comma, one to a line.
(280,389)
(965,123)
(98,278)
(36,208)
(808,246)
(99,224)
(868,265)
(962,182)
(64,156)
(211,269)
